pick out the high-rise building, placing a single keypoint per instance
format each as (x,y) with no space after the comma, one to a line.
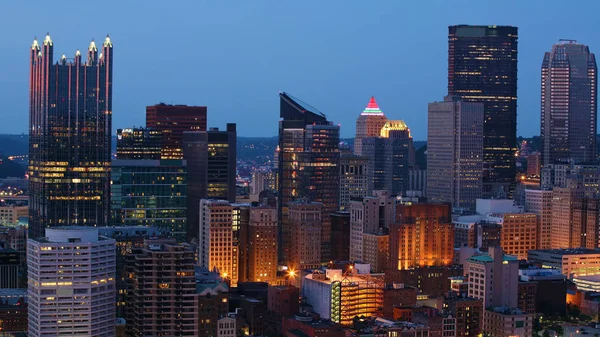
(539,202)
(586,222)
(262,245)
(215,240)
(422,236)
(493,278)
(75,296)
(482,67)
(211,165)
(305,220)
(163,298)
(353,178)
(368,124)
(534,164)
(308,167)
(340,230)
(171,121)
(563,234)
(70,115)
(455,152)
(150,193)
(389,155)
(569,103)
(138,143)
(9,268)
(370,215)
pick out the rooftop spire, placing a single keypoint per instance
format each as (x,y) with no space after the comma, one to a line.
(77,53)
(107,42)
(372,108)
(47,40)
(35,45)
(92,46)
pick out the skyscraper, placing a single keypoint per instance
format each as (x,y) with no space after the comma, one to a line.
(482,67)
(172,121)
(455,152)
(138,143)
(216,249)
(354,176)
(308,166)
(569,108)
(70,114)
(368,124)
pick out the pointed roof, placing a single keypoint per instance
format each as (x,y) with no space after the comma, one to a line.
(107,42)
(92,46)
(35,45)
(47,40)
(372,108)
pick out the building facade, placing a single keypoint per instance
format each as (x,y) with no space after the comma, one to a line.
(306,228)
(69,165)
(368,124)
(76,296)
(215,241)
(262,245)
(539,202)
(370,215)
(569,104)
(477,56)
(455,152)
(354,173)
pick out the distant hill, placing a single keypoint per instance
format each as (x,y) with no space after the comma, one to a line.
(9,168)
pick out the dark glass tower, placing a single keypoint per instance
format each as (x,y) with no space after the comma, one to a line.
(70,114)
(569,108)
(138,143)
(308,166)
(482,67)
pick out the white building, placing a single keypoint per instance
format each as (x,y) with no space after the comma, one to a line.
(226,327)
(71,287)
(368,216)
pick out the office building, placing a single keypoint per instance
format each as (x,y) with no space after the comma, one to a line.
(368,124)
(493,278)
(417,180)
(262,245)
(505,322)
(422,236)
(13,312)
(10,213)
(215,240)
(586,222)
(370,215)
(539,202)
(10,261)
(455,152)
(569,104)
(213,304)
(376,250)
(149,192)
(211,165)
(305,228)
(564,234)
(227,326)
(172,121)
(340,297)
(262,181)
(138,144)
(550,294)
(340,230)
(162,292)
(308,167)
(76,296)
(534,164)
(353,179)
(468,312)
(389,156)
(69,165)
(482,67)
(571,262)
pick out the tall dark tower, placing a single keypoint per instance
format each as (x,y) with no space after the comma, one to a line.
(309,156)
(70,114)
(569,108)
(482,67)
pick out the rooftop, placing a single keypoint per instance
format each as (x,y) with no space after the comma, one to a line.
(567,251)
(487,258)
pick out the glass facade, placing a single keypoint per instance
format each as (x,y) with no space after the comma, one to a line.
(138,143)
(569,108)
(150,193)
(70,123)
(482,67)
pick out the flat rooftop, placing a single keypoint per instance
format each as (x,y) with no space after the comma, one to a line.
(567,251)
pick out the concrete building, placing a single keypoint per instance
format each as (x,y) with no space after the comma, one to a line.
(353,179)
(215,241)
(468,312)
(563,233)
(376,251)
(571,262)
(162,297)
(71,275)
(455,152)
(227,327)
(213,304)
(423,236)
(534,165)
(305,224)
(340,297)
(262,245)
(493,278)
(369,215)
(10,213)
(417,180)
(586,222)
(505,322)
(10,262)
(550,290)
(539,202)
(368,124)
(340,230)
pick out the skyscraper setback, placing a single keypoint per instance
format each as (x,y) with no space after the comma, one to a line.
(482,67)
(70,123)
(569,107)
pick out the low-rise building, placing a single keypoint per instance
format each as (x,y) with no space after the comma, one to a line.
(505,322)
(571,262)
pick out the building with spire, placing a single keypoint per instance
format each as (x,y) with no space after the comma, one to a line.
(368,124)
(569,104)
(308,166)
(70,124)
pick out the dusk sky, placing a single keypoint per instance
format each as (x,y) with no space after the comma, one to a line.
(234,56)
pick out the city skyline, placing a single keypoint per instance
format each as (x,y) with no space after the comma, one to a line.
(269,66)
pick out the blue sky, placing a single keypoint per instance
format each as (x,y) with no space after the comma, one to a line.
(234,56)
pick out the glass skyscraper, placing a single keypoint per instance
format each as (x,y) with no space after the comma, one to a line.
(569,108)
(308,167)
(70,114)
(482,67)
